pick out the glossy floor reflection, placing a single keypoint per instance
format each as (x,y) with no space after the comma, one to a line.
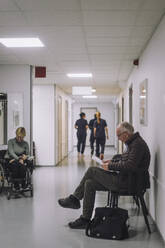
(39,222)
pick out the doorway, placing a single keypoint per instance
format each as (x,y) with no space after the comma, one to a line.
(3,119)
(122,119)
(89,115)
(66,128)
(130,104)
(59,128)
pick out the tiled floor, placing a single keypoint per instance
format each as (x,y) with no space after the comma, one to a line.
(40,222)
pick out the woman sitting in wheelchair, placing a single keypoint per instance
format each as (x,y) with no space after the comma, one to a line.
(17,156)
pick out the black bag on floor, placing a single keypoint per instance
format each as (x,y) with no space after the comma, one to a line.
(108,223)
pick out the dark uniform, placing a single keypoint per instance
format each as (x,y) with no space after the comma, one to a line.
(81,134)
(92,138)
(100,136)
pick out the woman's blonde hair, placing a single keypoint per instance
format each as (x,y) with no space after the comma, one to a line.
(21,132)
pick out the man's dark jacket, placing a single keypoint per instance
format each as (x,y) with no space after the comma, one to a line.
(135,158)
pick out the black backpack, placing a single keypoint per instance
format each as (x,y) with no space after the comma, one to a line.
(108,223)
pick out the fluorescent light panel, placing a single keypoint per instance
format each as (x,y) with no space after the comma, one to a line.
(93,96)
(79,75)
(80,91)
(21,42)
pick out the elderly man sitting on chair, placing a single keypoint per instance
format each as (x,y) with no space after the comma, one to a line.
(95,179)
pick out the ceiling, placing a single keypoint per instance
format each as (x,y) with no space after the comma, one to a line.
(98,36)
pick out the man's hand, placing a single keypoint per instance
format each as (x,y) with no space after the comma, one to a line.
(11,161)
(107,137)
(24,157)
(105,166)
(21,161)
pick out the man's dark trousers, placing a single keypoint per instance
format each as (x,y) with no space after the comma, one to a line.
(95,179)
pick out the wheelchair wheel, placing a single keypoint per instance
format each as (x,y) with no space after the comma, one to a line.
(31,192)
(2,178)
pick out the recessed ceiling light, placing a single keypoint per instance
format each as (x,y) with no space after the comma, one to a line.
(79,75)
(21,42)
(142,96)
(90,96)
(81,90)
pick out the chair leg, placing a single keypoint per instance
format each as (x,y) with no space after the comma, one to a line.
(136,199)
(109,199)
(112,200)
(144,212)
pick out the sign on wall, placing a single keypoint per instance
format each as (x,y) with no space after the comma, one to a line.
(15,113)
(143,95)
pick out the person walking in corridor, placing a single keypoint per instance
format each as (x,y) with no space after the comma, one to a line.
(92,138)
(100,133)
(81,125)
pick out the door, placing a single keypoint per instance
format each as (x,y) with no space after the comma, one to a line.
(130,104)
(3,119)
(89,115)
(122,114)
(59,128)
(66,128)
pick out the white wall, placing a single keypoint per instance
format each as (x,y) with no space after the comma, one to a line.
(15,79)
(152,67)
(44,124)
(107,112)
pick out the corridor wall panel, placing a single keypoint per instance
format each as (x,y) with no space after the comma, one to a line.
(16,82)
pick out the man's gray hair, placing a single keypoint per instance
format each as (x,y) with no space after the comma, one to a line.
(126,127)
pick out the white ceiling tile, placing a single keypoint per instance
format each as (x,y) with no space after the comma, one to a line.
(133,49)
(107,31)
(106,76)
(58,18)
(7,5)
(122,18)
(4,50)
(154,5)
(142,31)
(106,58)
(12,18)
(70,32)
(7,59)
(76,66)
(48,4)
(107,41)
(113,63)
(110,4)
(107,49)
(138,41)
(148,18)
(131,56)
(73,57)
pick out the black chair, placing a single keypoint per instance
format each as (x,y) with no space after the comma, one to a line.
(138,182)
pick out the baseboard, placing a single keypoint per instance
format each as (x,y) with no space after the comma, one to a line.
(157,228)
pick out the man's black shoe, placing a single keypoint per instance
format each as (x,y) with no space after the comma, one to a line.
(69,202)
(80,223)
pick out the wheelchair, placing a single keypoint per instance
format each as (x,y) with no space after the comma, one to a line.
(7,182)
